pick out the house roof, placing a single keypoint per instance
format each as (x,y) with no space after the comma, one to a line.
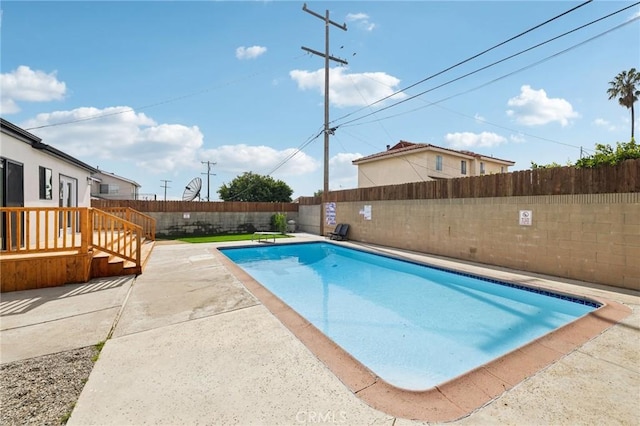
(404,147)
(113,175)
(36,143)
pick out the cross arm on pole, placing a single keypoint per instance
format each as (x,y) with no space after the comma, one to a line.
(333,58)
(329,21)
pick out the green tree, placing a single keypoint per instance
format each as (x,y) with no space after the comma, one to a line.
(607,155)
(623,87)
(254,187)
(535,166)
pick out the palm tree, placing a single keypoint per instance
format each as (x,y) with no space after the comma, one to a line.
(624,88)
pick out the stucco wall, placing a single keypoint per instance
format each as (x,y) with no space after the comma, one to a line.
(421,166)
(209,223)
(594,238)
(31,159)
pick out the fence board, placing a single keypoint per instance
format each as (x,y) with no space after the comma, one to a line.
(195,206)
(624,177)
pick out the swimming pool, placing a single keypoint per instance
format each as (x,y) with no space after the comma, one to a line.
(412,325)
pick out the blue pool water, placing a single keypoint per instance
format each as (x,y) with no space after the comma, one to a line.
(414,326)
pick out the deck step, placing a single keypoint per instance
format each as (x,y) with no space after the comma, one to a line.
(107,265)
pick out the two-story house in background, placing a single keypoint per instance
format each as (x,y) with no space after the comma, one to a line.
(416,162)
(109,186)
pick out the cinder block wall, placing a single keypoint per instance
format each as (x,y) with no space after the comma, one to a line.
(309,219)
(209,223)
(594,238)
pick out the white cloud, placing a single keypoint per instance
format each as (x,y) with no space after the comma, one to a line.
(534,108)
(517,138)
(121,134)
(342,173)
(346,89)
(600,122)
(361,20)
(479,118)
(470,140)
(261,159)
(25,84)
(250,52)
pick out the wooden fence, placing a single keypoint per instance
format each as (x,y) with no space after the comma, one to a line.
(622,178)
(195,206)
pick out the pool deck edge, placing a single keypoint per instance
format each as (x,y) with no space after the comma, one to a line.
(458,397)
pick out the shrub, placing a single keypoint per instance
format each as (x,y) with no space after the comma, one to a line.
(279,222)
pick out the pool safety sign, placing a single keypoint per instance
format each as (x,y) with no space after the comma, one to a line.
(330,213)
(366,212)
(526,217)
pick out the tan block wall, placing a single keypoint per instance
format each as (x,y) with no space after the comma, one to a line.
(594,238)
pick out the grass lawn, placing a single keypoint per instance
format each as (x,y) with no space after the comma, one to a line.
(223,238)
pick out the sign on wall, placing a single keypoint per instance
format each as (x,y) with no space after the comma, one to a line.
(330,213)
(526,217)
(366,212)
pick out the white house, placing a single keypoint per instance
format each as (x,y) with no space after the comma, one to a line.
(34,174)
(415,162)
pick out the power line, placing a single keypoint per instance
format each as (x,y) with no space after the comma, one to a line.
(438,102)
(469,58)
(208,173)
(165,186)
(163,102)
(481,68)
(327,57)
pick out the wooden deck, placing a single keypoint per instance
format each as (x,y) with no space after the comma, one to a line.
(95,244)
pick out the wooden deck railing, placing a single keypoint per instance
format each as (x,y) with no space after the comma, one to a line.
(43,230)
(147,223)
(33,230)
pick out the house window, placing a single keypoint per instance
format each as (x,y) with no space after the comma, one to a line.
(46,183)
(501,169)
(439,163)
(106,188)
(463,167)
(481,168)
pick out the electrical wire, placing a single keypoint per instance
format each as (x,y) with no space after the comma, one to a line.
(438,102)
(481,68)
(164,102)
(281,163)
(470,58)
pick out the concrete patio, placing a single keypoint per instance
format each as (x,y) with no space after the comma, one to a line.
(189,344)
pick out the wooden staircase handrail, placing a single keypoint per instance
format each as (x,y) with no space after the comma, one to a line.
(147,222)
(115,235)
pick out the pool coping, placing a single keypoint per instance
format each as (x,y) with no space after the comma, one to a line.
(460,396)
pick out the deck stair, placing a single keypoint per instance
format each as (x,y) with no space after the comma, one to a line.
(104,264)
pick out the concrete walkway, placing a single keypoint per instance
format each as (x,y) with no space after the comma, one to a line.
(193,346)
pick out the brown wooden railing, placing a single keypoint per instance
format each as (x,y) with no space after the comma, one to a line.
(33,230)
(43,230)
(147,223)
(116,236)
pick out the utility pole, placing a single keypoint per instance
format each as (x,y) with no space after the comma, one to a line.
(209,164)
(165,187)
(327,130)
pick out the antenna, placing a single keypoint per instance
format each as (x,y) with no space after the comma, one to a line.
(192,190)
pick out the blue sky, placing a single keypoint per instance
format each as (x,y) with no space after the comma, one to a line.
(157,88)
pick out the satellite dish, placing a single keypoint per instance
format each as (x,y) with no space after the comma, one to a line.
(192,190)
